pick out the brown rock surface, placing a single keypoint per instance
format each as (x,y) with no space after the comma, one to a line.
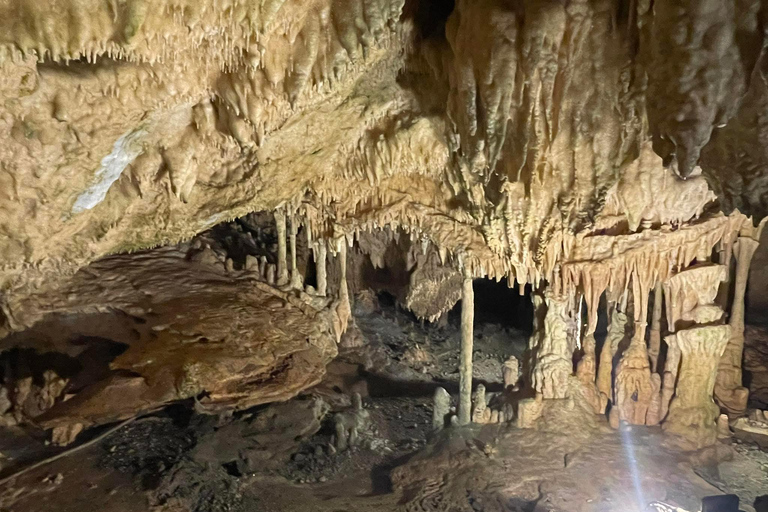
(228,341)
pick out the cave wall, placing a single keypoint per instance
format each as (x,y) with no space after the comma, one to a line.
(757,288)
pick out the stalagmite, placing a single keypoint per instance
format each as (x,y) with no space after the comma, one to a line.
(730,393)
(616,333)
(296,281)
(633,388)
(553,356)
(669,377)
(653,416)
(322,269)
(441,408)
(467,339)
(510,371)
(693,412)
(586,374)
(480,412)
(282,250)
(654,339)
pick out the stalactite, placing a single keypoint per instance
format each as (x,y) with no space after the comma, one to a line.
(321,256)
(343,307)
(654,340)
(282,250)
(467,341)
(729,390)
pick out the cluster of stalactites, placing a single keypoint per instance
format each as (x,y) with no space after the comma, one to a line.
(584,265)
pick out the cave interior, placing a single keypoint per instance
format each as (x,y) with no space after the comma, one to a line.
(383,255)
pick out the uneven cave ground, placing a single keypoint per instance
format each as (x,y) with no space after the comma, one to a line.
(279,457)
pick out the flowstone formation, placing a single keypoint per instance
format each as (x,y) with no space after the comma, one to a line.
(593,151)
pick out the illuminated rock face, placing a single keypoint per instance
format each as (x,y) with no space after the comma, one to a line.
(541,142)
(693,412)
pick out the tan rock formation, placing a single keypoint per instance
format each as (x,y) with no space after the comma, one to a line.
(441,408)
(616,333)
(696,286)
(230,341)
(540,142)
(730,392)
(553,358)
(654,341)
(467,340)
(633,386)
(671,371)
(693,412)
(586,373)
(510,372)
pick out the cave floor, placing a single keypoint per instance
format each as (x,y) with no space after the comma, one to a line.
(154,463)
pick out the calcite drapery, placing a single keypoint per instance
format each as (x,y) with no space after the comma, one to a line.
(693,412)
(686,290)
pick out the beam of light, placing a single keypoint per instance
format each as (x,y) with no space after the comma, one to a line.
(629,452)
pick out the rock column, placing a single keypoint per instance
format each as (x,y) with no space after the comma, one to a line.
(322,270)
(654,340)
(295,276)
(729,391)
(282,250)
(616,333)
(553,359)
(467,339)
(693,413)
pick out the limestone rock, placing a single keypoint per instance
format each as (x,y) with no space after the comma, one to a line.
(693,412)
(242,343)
(480,411)
(441,408)
(634,388)
(510,372)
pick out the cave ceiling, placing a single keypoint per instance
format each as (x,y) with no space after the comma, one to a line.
(498,131)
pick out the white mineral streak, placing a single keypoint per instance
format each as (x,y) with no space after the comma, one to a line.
(124,151)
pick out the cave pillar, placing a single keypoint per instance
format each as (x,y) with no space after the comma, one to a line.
(729,390)
(282,250)
(654,339)
(467,340)
(553,358)
(295,276)
(322,269)
(616,333)
(669,377)
(693,412)
(343,308)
